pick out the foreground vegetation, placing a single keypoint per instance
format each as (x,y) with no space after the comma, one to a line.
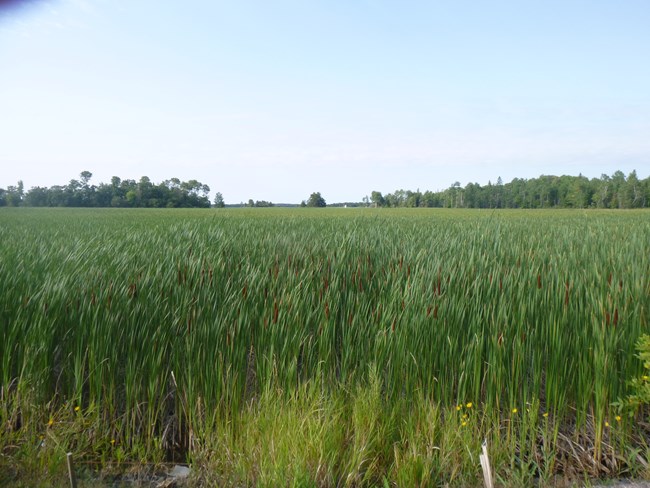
(323,347)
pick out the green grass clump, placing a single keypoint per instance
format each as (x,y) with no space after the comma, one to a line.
(324,347)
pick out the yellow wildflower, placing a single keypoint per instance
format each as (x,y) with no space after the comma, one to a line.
(463,423)
(618,418)
(77,408)
(469,405)
(606,424)
(458,407)
(514,410)
(112,441)
(50,422)
(545,415)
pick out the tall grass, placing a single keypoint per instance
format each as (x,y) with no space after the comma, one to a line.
(180,330)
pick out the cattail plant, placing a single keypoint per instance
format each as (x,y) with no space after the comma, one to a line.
(529,318)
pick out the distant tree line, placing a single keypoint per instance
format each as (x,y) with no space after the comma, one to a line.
(616,191)
(172,193)
(258,203)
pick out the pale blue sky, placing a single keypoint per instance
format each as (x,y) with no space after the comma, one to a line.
(274,99)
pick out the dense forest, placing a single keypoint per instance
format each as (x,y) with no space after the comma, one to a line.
(616,191)
(171,193)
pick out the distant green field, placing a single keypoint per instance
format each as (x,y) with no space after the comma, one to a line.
(324,346)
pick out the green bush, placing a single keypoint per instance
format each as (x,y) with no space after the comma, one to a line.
(640,387)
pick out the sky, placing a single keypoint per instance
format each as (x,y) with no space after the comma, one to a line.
(276,99)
